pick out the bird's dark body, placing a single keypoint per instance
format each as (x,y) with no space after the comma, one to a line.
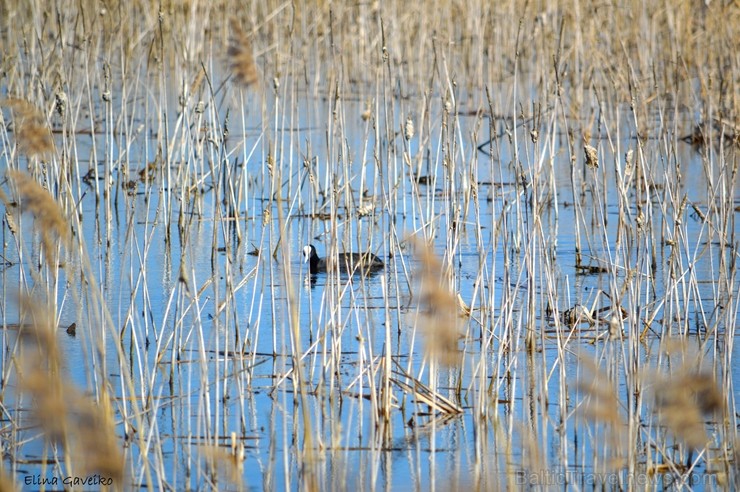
(346,262)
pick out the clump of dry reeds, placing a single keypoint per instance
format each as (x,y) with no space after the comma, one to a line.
(32,134)
(82,428)
(241,58)
(48,215)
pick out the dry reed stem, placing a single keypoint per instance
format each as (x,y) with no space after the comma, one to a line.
(241,59)
(32,135)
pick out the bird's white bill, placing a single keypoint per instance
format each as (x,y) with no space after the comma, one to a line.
(306,253)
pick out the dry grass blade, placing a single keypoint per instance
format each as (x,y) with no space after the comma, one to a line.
(241,59)
(32,135)
(48,215)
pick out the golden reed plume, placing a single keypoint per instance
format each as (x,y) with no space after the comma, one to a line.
(49,218)
(241,59)
(441,309)
(31,133)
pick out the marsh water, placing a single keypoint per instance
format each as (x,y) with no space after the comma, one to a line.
(586,306)
(209,374)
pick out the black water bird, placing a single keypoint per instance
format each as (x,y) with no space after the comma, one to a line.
(346,262)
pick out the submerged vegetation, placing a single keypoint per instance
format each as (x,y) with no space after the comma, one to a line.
(550,188)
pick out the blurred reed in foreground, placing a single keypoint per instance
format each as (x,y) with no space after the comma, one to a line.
(82,428)
(32,135)
(49,218)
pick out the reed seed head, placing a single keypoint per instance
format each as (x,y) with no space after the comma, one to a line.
(408,129)
(241,58)
(592,156)
(683,401)
(32,135)
(49,218)
(440,308)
